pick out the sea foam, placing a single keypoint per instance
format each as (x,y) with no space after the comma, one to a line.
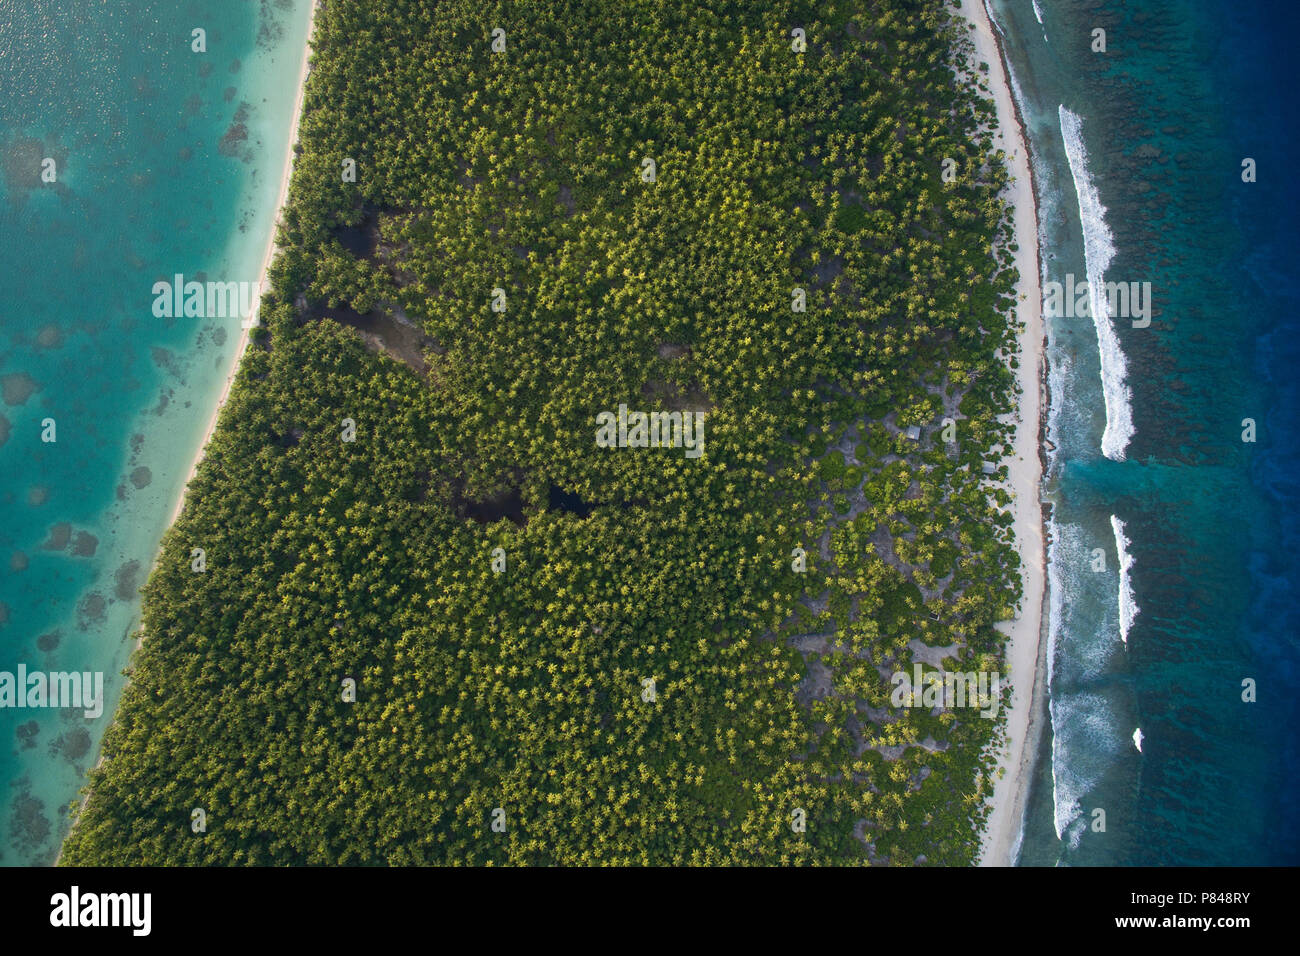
(1128,608)
(1055,595)
(1082,724)
(1064,800)
(993,22)
(1085,728)
(1098,250)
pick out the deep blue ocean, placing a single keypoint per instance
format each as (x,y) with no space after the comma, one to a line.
(164,160)
(1173,538)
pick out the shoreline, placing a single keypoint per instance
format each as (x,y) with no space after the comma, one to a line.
(1000,841)
(272,248)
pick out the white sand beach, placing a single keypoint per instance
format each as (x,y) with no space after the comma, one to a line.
(1015,757)
(263,281)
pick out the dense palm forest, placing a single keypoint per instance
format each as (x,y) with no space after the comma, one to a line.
(435,622)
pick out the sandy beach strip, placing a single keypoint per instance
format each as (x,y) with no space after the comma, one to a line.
(263,281)
(271,249)
(1016,755)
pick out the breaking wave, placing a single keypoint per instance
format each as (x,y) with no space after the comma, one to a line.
(1098,250)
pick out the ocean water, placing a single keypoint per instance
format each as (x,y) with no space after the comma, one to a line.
(166,161)
(1173,570)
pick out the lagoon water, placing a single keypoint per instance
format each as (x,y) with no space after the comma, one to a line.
(166,161)
(1173,568)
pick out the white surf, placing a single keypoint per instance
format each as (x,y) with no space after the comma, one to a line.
(1098,250)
